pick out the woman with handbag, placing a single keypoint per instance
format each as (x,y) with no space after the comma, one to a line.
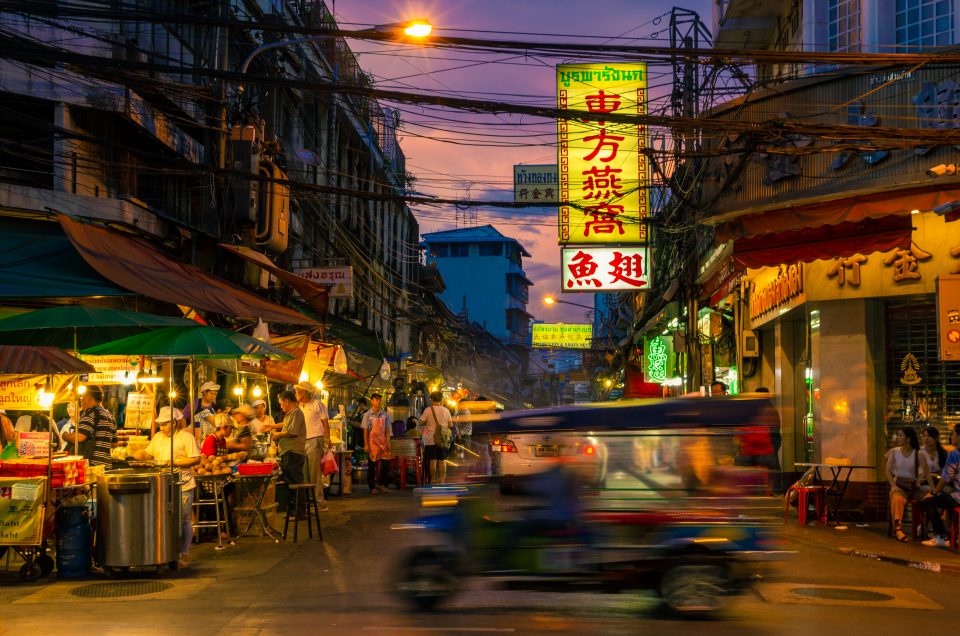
(905,473)
(437,433)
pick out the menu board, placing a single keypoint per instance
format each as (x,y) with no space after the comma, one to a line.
(140,410)
(34,444)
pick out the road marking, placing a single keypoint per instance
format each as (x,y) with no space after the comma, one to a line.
(394,628)
(856,596)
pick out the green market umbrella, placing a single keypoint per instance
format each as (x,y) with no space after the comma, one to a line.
(79,326)
(195,341)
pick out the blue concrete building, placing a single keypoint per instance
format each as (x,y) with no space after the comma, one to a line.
(483,272)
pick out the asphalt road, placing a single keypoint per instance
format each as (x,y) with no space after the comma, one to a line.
(342,586)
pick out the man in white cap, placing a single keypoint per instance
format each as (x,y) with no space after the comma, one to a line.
(318,434)
(263,423)
(204,420)
(186,454)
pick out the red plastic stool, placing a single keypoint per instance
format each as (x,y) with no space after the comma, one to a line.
(803,493)
(955,529)
(917,520)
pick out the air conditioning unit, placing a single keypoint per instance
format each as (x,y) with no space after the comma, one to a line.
(749,344)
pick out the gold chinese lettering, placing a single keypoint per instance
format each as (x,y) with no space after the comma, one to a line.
(840,267)
(905,263)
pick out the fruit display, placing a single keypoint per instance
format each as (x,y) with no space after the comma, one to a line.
(217,465)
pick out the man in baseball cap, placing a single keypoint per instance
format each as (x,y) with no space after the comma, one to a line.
(203,419)
(318,434)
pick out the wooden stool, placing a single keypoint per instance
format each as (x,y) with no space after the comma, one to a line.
(917,520)
(309,514)
(803,493)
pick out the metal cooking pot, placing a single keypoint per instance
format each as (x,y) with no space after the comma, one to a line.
(138,518)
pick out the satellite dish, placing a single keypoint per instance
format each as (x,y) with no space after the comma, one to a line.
(308,157)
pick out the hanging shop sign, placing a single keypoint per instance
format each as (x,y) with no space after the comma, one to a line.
(603,173)
(536,184)
(110,369)
(948,316)
(26,392)
(338,279)
(139,411)
(562,335)
(596,269)
(21,510)
(776,291)
(659,359)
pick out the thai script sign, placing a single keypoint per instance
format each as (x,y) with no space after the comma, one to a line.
(948,316)
(776,291)
(21,510)
(21,392)
(536,184)
(109,369)
(603,173)
(338,279)
(562,335)
(593,269)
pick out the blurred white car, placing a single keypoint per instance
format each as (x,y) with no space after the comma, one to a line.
(528,453)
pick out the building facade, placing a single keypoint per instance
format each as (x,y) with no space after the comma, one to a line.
(483,273)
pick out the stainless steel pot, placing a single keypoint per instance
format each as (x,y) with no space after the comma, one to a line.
(138,518)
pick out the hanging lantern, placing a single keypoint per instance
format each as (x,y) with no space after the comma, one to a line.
(385,370)
(340,361)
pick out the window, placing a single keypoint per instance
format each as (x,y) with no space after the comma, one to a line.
(459,250)
(843,18)
(440,250)
(923,23)
(491,249)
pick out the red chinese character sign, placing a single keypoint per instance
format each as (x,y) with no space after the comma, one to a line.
(601,269)
(603,173)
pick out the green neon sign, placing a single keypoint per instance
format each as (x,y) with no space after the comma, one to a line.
(657,360)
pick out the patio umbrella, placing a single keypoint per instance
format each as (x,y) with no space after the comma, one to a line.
(24,360)
(79,326)
(195,341)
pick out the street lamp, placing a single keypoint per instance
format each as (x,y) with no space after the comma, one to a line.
(551,300)
(416,29)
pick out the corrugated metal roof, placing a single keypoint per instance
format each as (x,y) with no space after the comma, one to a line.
(23,360)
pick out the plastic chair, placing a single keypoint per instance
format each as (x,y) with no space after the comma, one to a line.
(955,529)
(309,511)
(917,520)
(803,494)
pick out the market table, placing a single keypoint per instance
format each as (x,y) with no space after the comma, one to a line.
(258,485)
(836,490)
(212,487)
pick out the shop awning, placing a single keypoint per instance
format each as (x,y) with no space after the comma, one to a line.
(825,242)
(317,296)
(842,210)
(136,265)
(38,261)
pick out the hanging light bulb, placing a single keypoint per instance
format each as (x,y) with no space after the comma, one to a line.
(385,370)
(173,394)
(238,390)
(319,385)
(82,389)
(304,376)
(45,395)
(257,391)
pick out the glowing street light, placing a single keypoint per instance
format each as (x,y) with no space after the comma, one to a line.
(552,300)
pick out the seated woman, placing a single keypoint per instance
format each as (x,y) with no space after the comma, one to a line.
(934,453)
(185,456)
(905,472)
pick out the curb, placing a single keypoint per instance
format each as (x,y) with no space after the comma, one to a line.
(927,566)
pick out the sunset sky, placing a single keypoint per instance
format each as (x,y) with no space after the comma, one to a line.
(471,156)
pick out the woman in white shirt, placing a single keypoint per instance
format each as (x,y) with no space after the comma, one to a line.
(905,472)
(186,454)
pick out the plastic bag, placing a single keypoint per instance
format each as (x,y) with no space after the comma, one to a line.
(329,463)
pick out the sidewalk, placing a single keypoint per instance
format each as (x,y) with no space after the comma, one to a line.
(871,542)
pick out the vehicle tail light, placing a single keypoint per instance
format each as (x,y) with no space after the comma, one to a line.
(502,446)
(589,449)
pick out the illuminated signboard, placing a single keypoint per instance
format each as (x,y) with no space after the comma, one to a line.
(536,184)
(593,269)
(658,358)
(562,335)
(603,174)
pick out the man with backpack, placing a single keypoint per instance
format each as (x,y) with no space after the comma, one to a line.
(437,434)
